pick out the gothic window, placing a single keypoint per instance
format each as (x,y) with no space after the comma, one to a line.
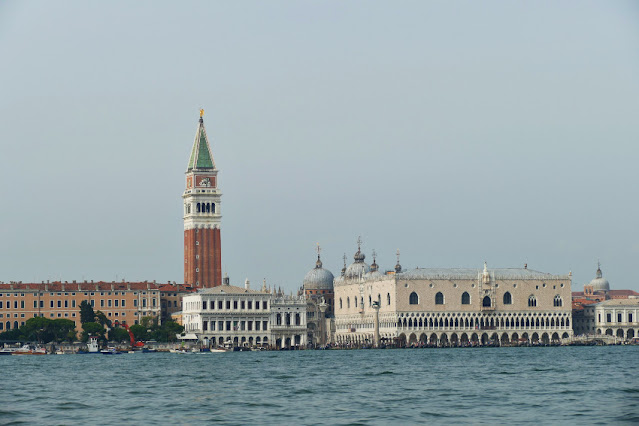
(465,298)
(370,300)
(355,299)
(413,299)
(508,299)
(439,298)
(532,301)
(348,302)
(388,297)
(486,302)
(212,207)
(340,303)
(279,319)
(558,302)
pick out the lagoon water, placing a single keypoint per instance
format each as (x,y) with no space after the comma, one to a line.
(471,385)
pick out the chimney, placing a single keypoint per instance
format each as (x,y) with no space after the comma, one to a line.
(148,286)
(46,286)
(112,287)
(178,287)
(247,284)
(62,285)
(525,266)
(226,280)
(80,287)
(128,286)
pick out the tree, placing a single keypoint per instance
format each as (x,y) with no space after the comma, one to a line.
(102,319)
(167,331)
(92,329)
(139,331)
(118,334)
(86,312)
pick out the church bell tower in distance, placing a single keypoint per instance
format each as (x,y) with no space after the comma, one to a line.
(202,215)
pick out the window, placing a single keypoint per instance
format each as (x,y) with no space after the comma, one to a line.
(608,317)
(204,304)
(508,299)
(388,297)
(629,317)
(242,305)
(265,325)
(465,298)
(532,301)
(340,303)
(486,302)
(355,301)
(59,304)
(413,299)
(619,318)
(235,304)
(439,298)
(135,303)
(557,301)
(123,304)
(348,303)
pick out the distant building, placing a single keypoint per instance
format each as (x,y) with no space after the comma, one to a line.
(171,298)
(451,306)
(123,301)
(202,216)
(614,317)
(599,290)
(229,315)
(288,321)
(317,288)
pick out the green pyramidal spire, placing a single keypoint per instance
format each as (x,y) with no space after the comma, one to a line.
(201,157)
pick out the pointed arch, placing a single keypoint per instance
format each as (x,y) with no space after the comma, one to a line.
(508,298)
(465,298)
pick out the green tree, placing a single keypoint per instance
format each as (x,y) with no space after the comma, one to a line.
(139,331)
(92,329)
(11,335)
(118,334)
(167,331)
(102,319)
(63,329)
(86,312)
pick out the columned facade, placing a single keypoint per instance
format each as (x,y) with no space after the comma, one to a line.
(202,216)
(454,307)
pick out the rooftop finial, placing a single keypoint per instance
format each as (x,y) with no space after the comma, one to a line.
(599,273)
(359,243)
(318,264)
(398,267)
(201,113)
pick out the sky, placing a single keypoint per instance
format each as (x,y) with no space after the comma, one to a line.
(457,132)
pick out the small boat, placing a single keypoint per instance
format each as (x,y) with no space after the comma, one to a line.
(179,351)
(217,350)
(110,351)
(7,351)
(30,350)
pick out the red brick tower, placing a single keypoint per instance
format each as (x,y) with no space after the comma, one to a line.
(202,218)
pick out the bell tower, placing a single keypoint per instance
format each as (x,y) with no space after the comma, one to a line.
(202,218)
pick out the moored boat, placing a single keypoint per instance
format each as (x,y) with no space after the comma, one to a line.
(30,350)
(110,351)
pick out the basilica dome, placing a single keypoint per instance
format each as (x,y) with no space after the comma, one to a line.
(357,268)
(600,283)
(318,278)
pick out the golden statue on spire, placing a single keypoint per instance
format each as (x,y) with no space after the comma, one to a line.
(201,113)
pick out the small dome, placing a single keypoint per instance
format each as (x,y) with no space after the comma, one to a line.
(600,283)
(355,270)
(318,278)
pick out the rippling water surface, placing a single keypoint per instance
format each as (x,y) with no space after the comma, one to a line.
(480,385)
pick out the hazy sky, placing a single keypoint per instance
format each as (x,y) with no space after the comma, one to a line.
(458,132)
